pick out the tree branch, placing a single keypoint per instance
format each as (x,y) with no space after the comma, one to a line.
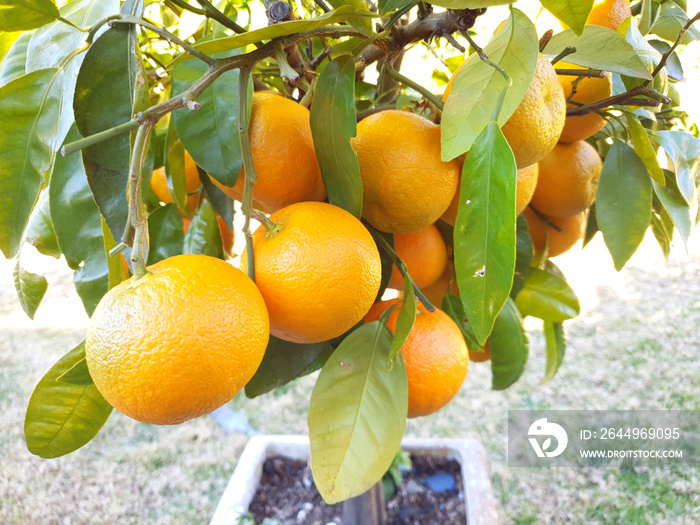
(664,57)
(649,98)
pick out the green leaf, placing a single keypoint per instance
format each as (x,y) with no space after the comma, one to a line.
(40,232)
(174,163)
(670,21)
(165,233)
(643,148)
(484,234)
(599,47)
(30,289)
(222,203)
(283,362)
(14,63)
(674,67)
(117,270)
(556,347)
(662,233)
(547,297)
(362,24)
(676,206)
(684,151)
(6,41)
(204,236)
(210,134)
(523,256)
(452,306)
(333,124)
(62,417)
(477,87)
(469,4)
(103,99)
(623,202)
(509,347)
(29,109)
(20,15)
(405,319)
(357,414)
(78,374)
(649,56)
(78,227)
(573,13)
(218,45)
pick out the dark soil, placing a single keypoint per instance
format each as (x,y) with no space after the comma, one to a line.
(287,493)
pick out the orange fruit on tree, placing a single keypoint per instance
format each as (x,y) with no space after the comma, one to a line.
(609,13)
(563,232)
(435,356)
(568,180)
(588,90)
(425,255)
(319,271)
(406,184)
(227,235)
(481,357)
(284,157)
(159,183)
(436,292)
(178,342)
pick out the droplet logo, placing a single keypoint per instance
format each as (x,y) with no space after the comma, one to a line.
(542,428)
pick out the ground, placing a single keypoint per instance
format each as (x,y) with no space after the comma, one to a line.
(635,345)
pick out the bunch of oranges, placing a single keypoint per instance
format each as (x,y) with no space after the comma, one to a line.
(186,337)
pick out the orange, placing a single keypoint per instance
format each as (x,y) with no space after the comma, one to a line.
(227,236)
(568,180)
(179,342)
(535,127)
(319,271)
(435,293)
(284,157)
(587,90)
(435,356)
(425,256)
(159,183)
(406,184)
(570,230)
(525,187)
(480,357)
(609,13)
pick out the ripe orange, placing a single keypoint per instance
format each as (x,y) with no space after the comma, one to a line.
(159,182)
(609,13)
(283,155)
(568,180)
(406,185)
(481,357)
(425,255)
(587,90)
(572,229)
(227,236)
(525,187)
(435,293)
(319,273)
(179,342)
(435,356)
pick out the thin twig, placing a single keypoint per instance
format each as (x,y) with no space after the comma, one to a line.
(213,13)
(649,98)
(410,83)
(594,73)
(248,168)
(568,50)
(667,54)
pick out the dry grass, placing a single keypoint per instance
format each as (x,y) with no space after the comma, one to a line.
(634,346)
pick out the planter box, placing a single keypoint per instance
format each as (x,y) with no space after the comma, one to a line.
(470,454)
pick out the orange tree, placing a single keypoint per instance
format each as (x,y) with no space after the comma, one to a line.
(98,95)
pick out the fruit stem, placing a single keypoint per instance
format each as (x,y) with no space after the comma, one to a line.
(286,71)
(414,85)
(595,73)
(248,168)
(568,50)
(270,226)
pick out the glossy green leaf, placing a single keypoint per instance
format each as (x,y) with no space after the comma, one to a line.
(547,297)
(20,15)
(204,236)
(30,289)
(362,24)
(283,362)
(117,270)
(555,340)
(14,63)
(477,87)
(40,232)
(643,148)
(103,99)
(6,41)
(357,414)
(676,206)
(623,202)
(62,417)
(78,227)
(333,124)
(524,252)
(484,234)
(599,47)
(222,203)
(165,233)
(405,319)
(649,11)
(573,13)
(174,163)
(78,374)
(684,151)
(674,67)
(591,227)
(452,306)
(669,22)
(210,134)
(662,233)
(29,109)
(649,56)
(510,346)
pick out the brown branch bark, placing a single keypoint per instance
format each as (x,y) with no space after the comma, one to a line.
(639,96)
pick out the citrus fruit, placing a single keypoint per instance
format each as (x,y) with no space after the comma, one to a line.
(406,184)
(588,89)
(563,232)
(435,356)
(481,357)
(568,180)
(425,255)
(159,183)
(535,127)
(284,157)
(227,235)
(178,342)
(609,13)
(319,271)
(435,293)
(525,187)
